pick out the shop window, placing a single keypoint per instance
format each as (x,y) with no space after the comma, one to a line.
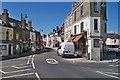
(96,43)
(3,47)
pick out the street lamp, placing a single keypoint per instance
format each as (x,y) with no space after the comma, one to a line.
(101,35)
(23,16)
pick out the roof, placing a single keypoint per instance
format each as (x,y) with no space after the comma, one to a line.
(71,39)
(113,35)
(77,38)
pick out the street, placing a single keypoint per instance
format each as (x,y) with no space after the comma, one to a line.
(48,65)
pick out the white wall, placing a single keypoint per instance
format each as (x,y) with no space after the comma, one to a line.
(110,41)
(78,25)
(34,37)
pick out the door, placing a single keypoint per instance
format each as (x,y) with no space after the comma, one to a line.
(9,50)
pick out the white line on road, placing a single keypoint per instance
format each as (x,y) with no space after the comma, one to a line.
(107,74)
(112,73)
(52,61)
(15,71)
(33,62)
(20,67)
(18,71)
(28,62)
(2,71)
(114,65)
(37,76)
(18,75)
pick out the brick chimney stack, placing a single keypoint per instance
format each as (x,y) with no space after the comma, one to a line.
(5,12)
(29,26)
(30,23)
(73,5)
(23,23)
(5,17)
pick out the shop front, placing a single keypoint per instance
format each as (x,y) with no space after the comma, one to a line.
(79,43)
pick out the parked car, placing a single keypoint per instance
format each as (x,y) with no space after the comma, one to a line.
(66,48)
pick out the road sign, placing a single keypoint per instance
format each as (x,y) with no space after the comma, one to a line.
(101,41)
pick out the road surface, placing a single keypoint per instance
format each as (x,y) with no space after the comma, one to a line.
(48,65)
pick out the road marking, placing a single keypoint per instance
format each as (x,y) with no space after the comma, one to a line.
(10,66)
(112,73)
(37,76)
(33,62)
(2,71)
(107,74)
(16,71)
(4,66)
(52,61)
(20,67)
(28,62)
(114,65)
(18,75)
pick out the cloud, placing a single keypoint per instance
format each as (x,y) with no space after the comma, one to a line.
(110,31)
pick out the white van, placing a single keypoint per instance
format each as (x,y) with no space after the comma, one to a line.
(66,48)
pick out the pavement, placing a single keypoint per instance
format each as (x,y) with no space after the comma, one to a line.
(48,65)
(86,60)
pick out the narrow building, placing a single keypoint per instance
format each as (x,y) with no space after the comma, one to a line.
(88,28)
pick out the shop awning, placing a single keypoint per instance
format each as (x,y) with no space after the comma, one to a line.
(77,38)
(71,39)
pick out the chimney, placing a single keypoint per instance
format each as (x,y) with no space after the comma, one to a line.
(23,23)
(5,17)
(29,23)
(73,5)
(5,12)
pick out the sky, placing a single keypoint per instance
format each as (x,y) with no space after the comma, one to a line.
(46,16)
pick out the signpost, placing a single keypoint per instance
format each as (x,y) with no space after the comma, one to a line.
(101,53)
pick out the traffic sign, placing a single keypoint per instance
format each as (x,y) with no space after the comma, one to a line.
(101,41)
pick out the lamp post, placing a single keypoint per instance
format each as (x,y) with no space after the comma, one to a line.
(101,35)
(23,16)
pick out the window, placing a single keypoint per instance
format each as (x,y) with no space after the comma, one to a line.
(3,47)
(95,24)
(105,28)
(96,43)
(17,36)
(32,38)
(81,10)
(7,34)
(75,29)
(12,24)
(82,26)
(95,6)
(75,16)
